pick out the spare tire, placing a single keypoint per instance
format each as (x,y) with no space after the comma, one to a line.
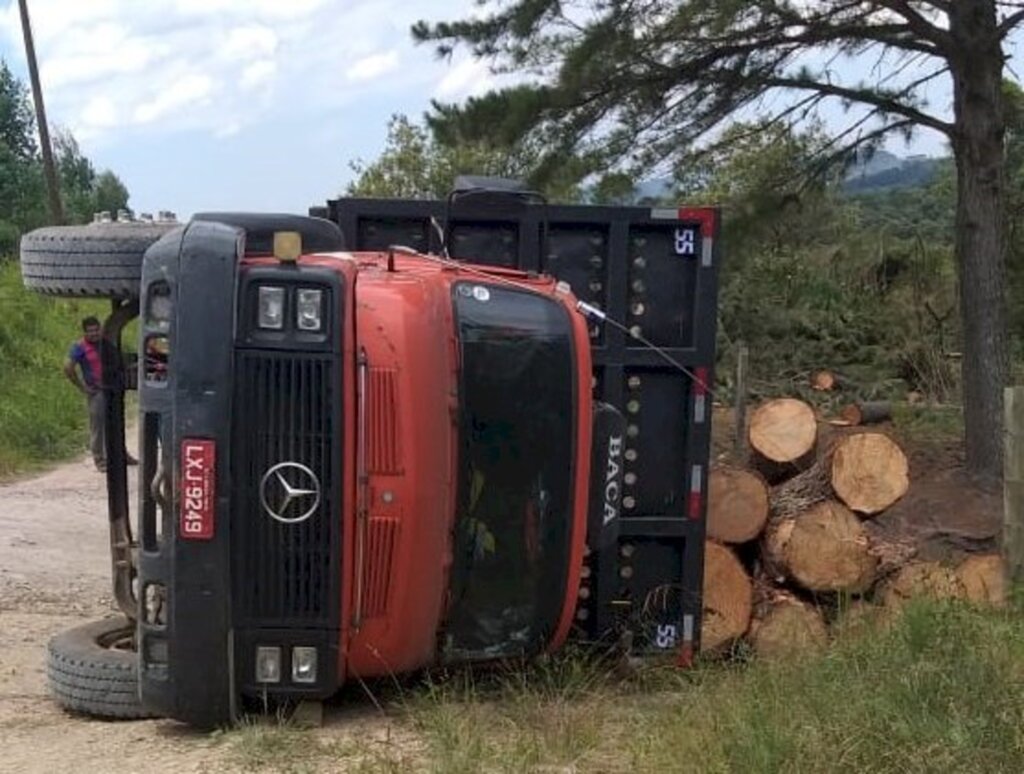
(102,260)
(93,670)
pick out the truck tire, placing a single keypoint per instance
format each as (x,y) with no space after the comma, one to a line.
(101,260)
(91,675)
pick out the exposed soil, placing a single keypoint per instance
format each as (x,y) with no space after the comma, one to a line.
(54,574)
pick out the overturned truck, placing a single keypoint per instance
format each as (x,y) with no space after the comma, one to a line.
(391,435)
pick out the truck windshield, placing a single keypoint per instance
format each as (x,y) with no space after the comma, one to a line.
(516,464)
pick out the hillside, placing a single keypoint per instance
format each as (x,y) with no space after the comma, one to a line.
(42,418)
(884,170)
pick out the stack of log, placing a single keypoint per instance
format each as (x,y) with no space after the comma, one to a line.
(790,538)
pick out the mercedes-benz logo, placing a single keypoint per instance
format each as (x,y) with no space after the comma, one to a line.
(289,484)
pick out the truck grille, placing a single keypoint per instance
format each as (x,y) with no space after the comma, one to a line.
(286,409)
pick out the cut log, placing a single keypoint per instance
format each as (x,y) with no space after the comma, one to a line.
(728,598)
(869,472)
(737,505)
(783,434)
(773,549)
(823,549)
(921,579)
(984,579)
(823,381)
(869,413)
(790,628)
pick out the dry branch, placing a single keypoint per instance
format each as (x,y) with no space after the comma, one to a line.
(799,493)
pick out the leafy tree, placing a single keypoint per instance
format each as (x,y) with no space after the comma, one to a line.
(22,193)
(76,175)
(415,165)
(109,193)
(20,183)
(754,171)
(84,191)
(808,285)
(926,211)
(17,125)
(640,81)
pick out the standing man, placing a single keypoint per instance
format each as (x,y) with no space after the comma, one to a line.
(84,369)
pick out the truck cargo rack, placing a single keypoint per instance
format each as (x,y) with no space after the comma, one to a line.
(654,270)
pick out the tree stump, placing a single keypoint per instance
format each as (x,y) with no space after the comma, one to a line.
(728,598)
(789,628)
(783,434)
(869,472)
(824,549)
(737,505)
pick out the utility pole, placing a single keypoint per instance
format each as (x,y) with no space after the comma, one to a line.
(49,169)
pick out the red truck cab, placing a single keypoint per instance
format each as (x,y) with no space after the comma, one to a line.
(474,415)
(381,463)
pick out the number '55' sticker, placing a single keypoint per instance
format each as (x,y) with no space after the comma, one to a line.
(686,241)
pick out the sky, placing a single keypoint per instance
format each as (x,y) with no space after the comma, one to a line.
(234,104)
(244,104)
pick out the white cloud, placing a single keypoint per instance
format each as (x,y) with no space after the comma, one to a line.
(112,68)
(466,78)
(185,93)
(370,67)
(258,74)
(250,42)
(99,113)
(278,9)
(107,50)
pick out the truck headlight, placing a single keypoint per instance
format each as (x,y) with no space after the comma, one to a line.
(309,309)
(271,308)
(160,307)
(303,665)
(268,664)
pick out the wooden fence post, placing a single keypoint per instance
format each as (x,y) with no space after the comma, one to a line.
(1013,483)
(740,445)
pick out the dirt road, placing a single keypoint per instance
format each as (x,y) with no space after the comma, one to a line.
(54,574)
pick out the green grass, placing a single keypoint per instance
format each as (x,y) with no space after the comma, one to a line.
(42,417)
(929,424)
(938,689)
(941,690)
(275,744)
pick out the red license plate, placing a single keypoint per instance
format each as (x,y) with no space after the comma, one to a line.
(198,495)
